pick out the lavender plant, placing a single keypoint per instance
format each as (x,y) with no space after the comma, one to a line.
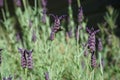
(63,61)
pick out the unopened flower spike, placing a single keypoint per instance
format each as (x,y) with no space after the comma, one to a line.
(80,15)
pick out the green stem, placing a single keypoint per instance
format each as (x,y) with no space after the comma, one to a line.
(78,1)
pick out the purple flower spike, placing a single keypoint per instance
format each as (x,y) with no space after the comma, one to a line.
(18,3)
(70,33)
(23,58)
(69,2)
(56,27)
(80,15)
(100,47)
(52,36)
(93,60)
(29,59)
(44,3)
(44,15)
(1,3)
(47,76)
(91,39)
(33,36)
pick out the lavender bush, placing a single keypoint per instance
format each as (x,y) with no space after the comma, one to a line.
(60,58)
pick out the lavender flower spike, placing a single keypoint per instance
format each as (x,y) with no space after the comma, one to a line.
(100,47)
(91,39)
(47,76)
(69,2)
(1,3)
(44,3)
(18,3)
(56,27)
(23,58)
(93,60)
(29,59)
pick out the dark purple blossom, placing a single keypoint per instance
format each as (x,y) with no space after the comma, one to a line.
(69,2)
(52,35)
(93,60)
(47,76)
(34,36)
(1,3)
(80,15)
(29,59)
(91,39)
(18,3)
(23,57)
(0,56)
(4,78)
(100,47)
(56,27)
(44,3)
(44,15)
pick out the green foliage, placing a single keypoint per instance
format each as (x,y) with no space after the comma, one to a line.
(63,59)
